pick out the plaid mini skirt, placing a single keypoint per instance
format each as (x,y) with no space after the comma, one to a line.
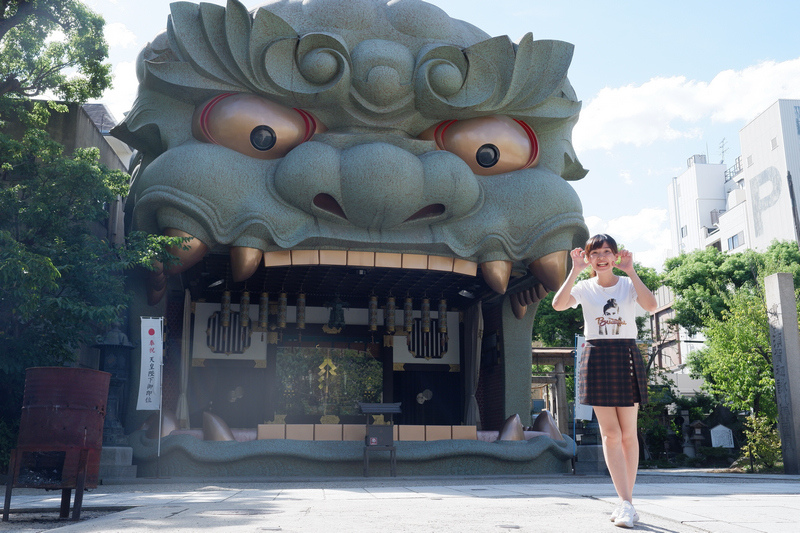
(612,373)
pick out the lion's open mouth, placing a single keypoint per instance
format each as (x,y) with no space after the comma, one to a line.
(322,275)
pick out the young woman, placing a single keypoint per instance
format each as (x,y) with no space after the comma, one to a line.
(611,375)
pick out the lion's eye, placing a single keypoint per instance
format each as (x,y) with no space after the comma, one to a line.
(252,125)
(489,145)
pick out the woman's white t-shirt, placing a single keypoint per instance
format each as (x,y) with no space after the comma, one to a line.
(608,312)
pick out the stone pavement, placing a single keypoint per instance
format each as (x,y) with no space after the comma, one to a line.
(667,501)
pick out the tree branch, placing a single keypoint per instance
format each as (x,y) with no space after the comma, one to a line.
(10,85)
(26,9)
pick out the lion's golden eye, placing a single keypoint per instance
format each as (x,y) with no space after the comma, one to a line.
(489,145)
(252,125)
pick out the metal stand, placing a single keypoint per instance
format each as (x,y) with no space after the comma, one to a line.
(377,448)
(380,438)
(68,482)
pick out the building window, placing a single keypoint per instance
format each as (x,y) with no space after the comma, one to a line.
(684,231)
(736,241)
(774,142)
(749,160)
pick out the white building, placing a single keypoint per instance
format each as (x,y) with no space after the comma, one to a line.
(748,205)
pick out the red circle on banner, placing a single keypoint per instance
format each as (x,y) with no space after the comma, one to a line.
(151,331)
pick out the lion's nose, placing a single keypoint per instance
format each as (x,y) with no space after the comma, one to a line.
(382,185)
(374,185)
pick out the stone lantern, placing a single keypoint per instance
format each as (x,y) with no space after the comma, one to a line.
(115,353)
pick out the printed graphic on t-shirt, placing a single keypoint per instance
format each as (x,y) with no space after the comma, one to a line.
(610,322)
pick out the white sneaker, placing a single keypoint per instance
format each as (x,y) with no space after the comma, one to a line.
(626,515)
(615,512)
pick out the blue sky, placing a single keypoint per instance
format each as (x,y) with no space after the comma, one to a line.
(659,81)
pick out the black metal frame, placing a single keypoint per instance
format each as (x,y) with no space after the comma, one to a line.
(379,433)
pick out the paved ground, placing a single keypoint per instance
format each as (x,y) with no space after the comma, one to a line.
(668,501)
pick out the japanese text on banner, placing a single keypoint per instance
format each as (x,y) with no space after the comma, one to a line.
(150,376)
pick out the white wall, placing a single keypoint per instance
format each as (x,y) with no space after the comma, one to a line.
(765,142)
(692,197)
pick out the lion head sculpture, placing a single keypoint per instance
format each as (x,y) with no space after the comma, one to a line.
(318,128)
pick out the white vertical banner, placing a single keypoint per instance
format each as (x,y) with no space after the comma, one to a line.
(152,355)
(582,412)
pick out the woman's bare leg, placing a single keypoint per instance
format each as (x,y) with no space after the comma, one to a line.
(620,446)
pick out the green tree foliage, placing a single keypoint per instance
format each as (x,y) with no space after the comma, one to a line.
(763,446)
(60,281)
(554,328)
(702,279)
(737,361)
(54,45)
(723,295)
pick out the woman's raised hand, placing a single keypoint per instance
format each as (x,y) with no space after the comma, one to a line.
(625,261)
(578,259)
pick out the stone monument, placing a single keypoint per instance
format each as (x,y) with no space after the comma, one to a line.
(782,314)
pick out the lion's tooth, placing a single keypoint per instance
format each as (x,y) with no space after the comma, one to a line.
(156,284)
(415,261)
(444,264)
(360,259)
(279,258)
(496,275)
(305,257)
(551,270)
(157,278)
(189,257)
(462,266)
(154,295)
(517,307)
(541,291)
(244,262)
(528,297)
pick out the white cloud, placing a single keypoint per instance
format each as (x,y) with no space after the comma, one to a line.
(743,95)
(117,34)
(664,109)
(120,97)
(645,234)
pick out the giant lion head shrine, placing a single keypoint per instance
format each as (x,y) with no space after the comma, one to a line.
(375,197)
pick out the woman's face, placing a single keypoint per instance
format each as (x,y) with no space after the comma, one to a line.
(602,258)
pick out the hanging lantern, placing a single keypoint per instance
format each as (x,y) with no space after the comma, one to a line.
(426,315)
(442,316)
(263,311)
(301,311)
(388,316)
(373,313)
(408,315)
(244,310)
(225,313)
(282,310)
